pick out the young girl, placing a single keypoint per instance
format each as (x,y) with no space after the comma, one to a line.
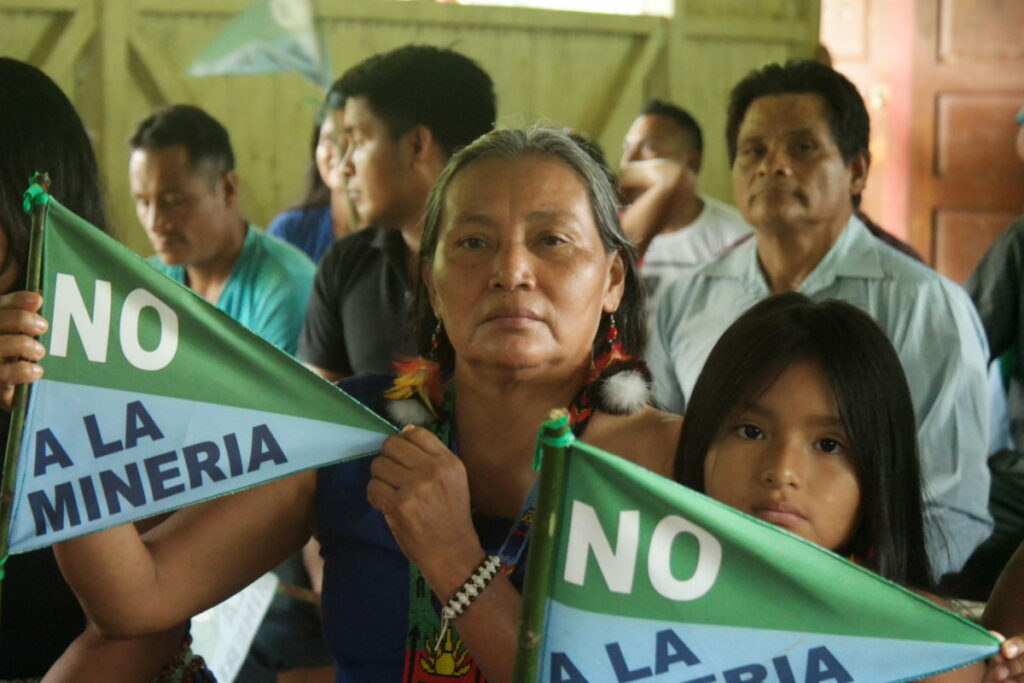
(802,417)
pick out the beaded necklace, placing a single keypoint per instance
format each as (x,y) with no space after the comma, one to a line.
(433,656)
(617,384)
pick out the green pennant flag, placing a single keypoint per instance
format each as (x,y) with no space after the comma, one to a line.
(153,399)
(272,35)
(632,577)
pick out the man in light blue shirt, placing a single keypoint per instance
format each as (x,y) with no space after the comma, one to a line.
(798,145)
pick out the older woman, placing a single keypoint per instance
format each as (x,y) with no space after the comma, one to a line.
(529,301)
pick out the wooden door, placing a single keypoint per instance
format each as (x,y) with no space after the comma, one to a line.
(870,42)
(966,182)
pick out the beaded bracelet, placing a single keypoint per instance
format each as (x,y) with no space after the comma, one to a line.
(465,596)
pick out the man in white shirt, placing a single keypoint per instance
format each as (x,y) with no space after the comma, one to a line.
(675,227)
(798,145)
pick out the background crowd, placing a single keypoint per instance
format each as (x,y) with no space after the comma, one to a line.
(824,379)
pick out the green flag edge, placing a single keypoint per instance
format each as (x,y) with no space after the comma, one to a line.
(662,485)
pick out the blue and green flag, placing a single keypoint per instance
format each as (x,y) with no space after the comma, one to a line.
(152,399)
(271,35)
(632,577)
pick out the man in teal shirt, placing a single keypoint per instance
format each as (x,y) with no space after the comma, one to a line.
(183,180)
(182,176)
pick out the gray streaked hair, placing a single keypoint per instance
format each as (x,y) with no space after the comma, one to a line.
(511,144)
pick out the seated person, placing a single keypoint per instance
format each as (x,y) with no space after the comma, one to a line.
(40,616)
(798,144)
(675,227)
(401,114)
(182,172)
(325,213)
(514,217)
(186,191)
(996,286)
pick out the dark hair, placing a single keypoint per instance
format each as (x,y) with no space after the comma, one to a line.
(41,131)
(847,117)
(874,404)
(511,144)
(682,118)
(423,85)
(316,193)
(202,136)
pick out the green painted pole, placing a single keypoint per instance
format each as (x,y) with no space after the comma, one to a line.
(35,203)
(553,441)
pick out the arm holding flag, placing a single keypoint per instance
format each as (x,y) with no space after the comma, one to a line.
(1005,613)
(421,488)
(118,574)
(136,584)
(1005,609)
(91,658)
(131,584)
(19,325)
(1008,665)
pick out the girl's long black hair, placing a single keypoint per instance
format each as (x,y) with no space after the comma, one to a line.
(874,403)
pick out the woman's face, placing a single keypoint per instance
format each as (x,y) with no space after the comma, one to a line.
(328,154)
(786,459)
(520,277)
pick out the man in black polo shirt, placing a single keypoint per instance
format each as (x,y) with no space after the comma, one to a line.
(402,113)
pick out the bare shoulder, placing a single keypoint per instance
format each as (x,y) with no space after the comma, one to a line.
(647,438)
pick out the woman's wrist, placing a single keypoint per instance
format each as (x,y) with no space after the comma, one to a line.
(451,570)
(471,588)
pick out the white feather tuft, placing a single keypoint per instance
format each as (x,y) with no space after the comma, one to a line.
(409,411)
(625,392)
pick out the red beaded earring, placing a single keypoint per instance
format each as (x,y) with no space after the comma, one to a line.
(613,331)
(613,351)
(435,341)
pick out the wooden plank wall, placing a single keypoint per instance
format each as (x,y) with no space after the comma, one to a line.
(119,59)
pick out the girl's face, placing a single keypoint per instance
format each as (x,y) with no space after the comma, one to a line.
(786,459)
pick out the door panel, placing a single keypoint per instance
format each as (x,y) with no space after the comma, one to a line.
(966,182)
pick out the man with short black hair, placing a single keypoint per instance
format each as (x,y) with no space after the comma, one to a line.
(676,228)
(182,176)
(403,113)
(798,145)
(183,180)
(664,131)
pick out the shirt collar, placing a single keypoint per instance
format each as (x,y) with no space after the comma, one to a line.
(249,241)
(854,254)
(391,243)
